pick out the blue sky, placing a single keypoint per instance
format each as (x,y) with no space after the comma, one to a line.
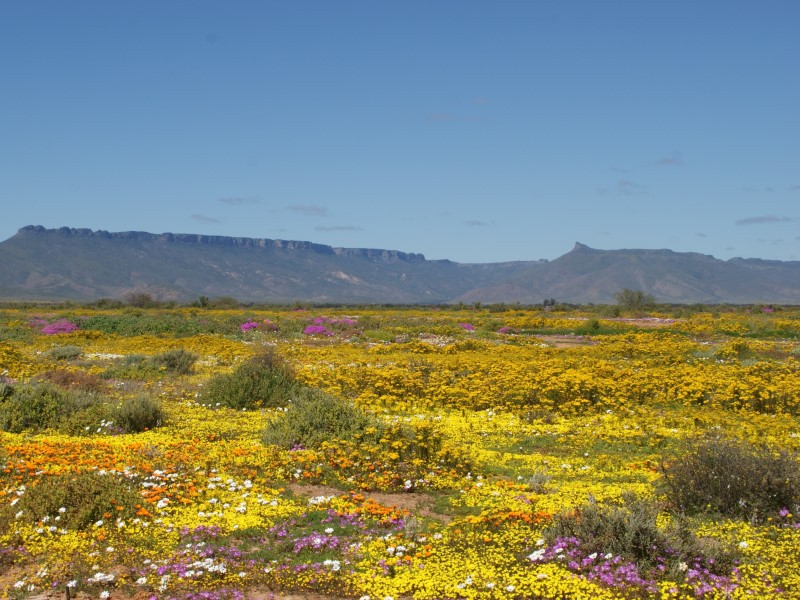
(474,131)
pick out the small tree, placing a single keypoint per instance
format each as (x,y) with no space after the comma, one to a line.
(139,299)
(634,300)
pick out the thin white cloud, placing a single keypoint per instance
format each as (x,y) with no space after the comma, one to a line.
(338,228)
(627,187)
(440,118)
(309,210)
(766,219)
(670,161)
(237,200)
(205,219)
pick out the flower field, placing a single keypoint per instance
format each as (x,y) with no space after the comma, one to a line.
(431,453)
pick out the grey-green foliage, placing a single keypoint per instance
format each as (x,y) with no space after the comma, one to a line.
(140,413)
(264,381)
(34,407)
(42,405)
(315,416)
(634,300)
(733,478)
(631,531)
(77,499)
(65,352)
(177,361)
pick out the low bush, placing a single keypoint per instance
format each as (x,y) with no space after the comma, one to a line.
(80,380)
(265,380)
(40,406)
(33,407)
(74,500)
(631,533)
(139,413)
(731,478)
(65,353)
(315,417)
(178,361)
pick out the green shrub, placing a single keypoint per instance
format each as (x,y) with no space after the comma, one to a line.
(80,380)
(263,381)
(315,417)
(85,497)
(132,366)
(33,407)
(732,478)
(631,533)
(65,352)
(177,361)
(139,413)
(40,406)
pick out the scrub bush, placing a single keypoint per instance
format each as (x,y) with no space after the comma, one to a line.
(315,417)
(732,478)
(65,353)
(80,380)
(178,361)
(264,381)
(84,497)
(139,413)
(631,533)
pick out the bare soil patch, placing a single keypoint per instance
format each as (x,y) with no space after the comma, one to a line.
(413,502)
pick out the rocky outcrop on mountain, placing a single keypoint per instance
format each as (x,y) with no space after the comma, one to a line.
(219,240)
(80,264)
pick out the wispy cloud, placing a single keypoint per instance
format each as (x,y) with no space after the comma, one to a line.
(758,190)
(309,210)
(631,188)
(477,223)
(237,200)
(701,235)
(766,219)
(440,117)
(338,228)
(669,161)
(481,101)
(205,219)
(446,117)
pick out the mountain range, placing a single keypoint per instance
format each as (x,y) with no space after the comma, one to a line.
(84,265)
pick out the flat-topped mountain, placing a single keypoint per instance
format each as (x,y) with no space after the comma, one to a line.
(84,265)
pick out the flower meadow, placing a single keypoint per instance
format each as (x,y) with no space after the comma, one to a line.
(496,452)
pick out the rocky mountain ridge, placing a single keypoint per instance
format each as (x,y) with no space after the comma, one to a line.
(84,265)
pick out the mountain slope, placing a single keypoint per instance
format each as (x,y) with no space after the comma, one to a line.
(82,265)
(588,275)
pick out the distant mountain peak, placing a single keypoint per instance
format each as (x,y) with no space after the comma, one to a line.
(578,247)
(81,264)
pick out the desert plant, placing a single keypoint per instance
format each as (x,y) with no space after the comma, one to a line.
(139,413)
(265,380)
(38,406)
(634,300)
(630,534)
(33,407)
(73,380)
(77,499)
(177,361)
(630,531)
(732,478)
(315,417)
(65,352)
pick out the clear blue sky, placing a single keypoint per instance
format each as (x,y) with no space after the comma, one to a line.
(475,131)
